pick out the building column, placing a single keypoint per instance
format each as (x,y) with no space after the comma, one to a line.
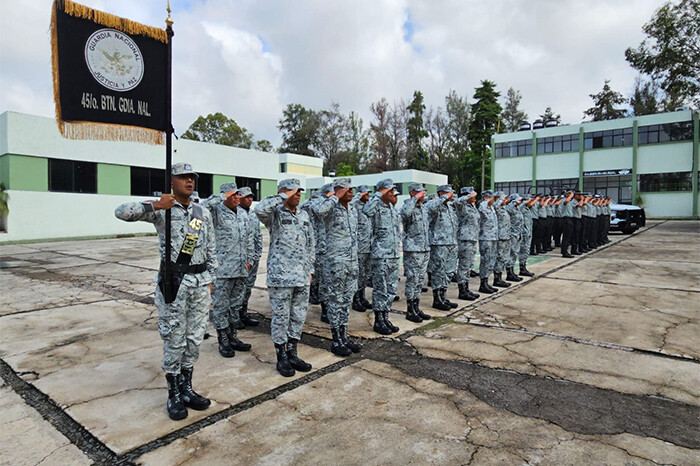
(580,159)
(534,162)
(493,162)
(635,127)
(696,159)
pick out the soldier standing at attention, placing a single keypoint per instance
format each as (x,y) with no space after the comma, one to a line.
(183,314)
(341,253)
(416,249)
(385,253)
(321,264)
(306,207)
(516,235)
(254,233)
(536,226)
(503,242)
(526,241)
(488,237)
(233,247)
(364,243)
(290,263)
(467,237)
(443,246)
(567,224)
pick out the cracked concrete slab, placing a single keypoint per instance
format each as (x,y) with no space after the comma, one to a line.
(124,278)
(27,439)
(609,368)
(371,413)
(47,260)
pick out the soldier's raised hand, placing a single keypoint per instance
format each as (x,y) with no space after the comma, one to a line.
(420,195)
(289,192)
(341,192)
(165,202)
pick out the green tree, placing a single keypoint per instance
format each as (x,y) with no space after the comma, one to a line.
(512,115)
(670,53)
(485,116)
(344,170)
(459,164)
(550,115)
(356,153)
(604,104)
(644,100)
(299,127)
(264,145)
(416,156)
(330,136)
(381,139)
(436,127)
(217,128)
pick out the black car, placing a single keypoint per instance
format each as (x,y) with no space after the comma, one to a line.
(626,218)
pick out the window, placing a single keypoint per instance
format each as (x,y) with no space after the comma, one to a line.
(147,181)
(566,143)
(204,185)
(252,183)
(610,138)
(670,132)
(71,176)
(657,182)
(556,186)
(618,187)
(514,148)
(510,187)
(283,167)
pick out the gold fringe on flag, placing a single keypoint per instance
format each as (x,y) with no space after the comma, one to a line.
(91,129)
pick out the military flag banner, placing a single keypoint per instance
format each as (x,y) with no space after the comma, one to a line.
(110,76)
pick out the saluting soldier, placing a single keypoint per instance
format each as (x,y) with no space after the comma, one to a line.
(183,314)
(567,224)
(488,237)
(364,243)
(341,253)
(467,237)
(503,242)
(516,235)
(255,233)
(526,233)
(321,265)
(290,263)
(443,246)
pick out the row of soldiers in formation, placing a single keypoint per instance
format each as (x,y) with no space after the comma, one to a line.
(331,248)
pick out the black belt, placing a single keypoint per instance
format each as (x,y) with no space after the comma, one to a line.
(184,268)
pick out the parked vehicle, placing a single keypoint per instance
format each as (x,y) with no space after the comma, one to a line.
(626,218)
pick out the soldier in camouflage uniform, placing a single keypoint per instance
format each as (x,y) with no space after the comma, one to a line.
(503,242)
(364,242)
(566,210)
(516,235)
(416,249)
(321,264)
(290,263)
(385,253)
(341,253)
(526,236)
(233,247)
(442,264)
(467,237)
(306,207)
(488,238)
(255,233)
(182,319)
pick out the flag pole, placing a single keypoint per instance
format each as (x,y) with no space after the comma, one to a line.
(168,143)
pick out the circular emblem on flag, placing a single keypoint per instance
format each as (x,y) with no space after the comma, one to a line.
(114,60)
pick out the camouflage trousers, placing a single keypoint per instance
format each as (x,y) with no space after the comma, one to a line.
(364,276)
(228,300)
(525,244)
(250,281)
(319,281)
(467,251)
(502,255)
(487,251)
(514,251)
(342,285)
(415,266)
(442,265)
(385,279)
(289,306)
(181,325)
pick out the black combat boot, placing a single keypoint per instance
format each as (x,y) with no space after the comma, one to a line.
(176,407)
(379,326)
(443,293)
(357,304)
(233,340)
(363,300)
(524,272)
(294,360)
(423,315)
(354,347)
(337,347)
(438,303)
(485,288)
(411,313)
(225,349)
(324,312)
(463,291)
(423,289)
(246,319)
(470,293)
(498,280)
(392,327)
(511,277)
(191,398)
(473,273)
(283,366)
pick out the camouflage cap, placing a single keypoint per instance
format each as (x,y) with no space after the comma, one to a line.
(445,188)
(195,195)
(487,193)
(386,183)
(363,188)
(500,194)
(245,191)
(342,183)
(290,183)
(326,188)
(416,187)
(514,197)
(466,190)
(226,187)
(183,168)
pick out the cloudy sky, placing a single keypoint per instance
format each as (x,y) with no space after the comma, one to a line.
(249,58)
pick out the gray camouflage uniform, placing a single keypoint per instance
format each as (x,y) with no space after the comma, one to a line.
(488,237)
(290,262)
(364,243)
(416,247)
(516,232)
(255,233)
(182,323)
(384,251)
(503,244)
(320,263)
(467,237)
(443,242)
(526,233)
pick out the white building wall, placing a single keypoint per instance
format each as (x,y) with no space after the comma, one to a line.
(513,169)
(555,166)
(607,159)
(670,204)
(665,158)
